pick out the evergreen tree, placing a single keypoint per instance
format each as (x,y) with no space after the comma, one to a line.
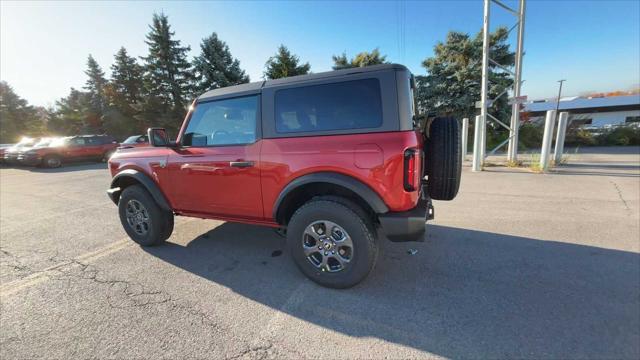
(452,85)
(17,117)
(215,67)
(284,64)
(361,60)
(70,115)
(125,97)
(167,70)
(95,85)
(126,77)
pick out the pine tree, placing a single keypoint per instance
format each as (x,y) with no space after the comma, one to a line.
(284,64)
(70,115)
(362,59)
(215,67)
(167,70)
(125,94)
(126,77)
(95,86)
(452,85)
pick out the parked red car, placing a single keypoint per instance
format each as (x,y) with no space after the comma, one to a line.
(330,158)
(69,149)
(134,141)
(10,154)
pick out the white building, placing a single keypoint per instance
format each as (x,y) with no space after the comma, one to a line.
(592,112)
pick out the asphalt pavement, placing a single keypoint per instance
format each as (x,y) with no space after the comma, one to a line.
(519,265)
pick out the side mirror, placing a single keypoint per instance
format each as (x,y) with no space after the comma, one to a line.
(158,137)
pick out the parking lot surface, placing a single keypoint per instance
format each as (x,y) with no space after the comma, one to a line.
(519,265)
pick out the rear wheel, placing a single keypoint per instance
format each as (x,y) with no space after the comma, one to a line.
(332,242)
(143,220)
(443,158)
(52,161)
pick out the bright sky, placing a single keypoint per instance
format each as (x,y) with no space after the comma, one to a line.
(595,45)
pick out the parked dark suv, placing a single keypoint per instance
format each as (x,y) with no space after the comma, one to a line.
(328,158)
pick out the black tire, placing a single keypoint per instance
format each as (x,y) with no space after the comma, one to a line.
(359,229)
(159,224)
(443,160)
(52,161)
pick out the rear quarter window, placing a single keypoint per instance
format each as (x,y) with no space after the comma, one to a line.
(355,104)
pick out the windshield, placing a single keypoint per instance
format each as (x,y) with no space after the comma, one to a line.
(58,142)
(131,139)
(26,142)
(43,142)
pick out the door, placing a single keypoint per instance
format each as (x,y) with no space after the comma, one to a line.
(76,148)
(216,170)
(95,147)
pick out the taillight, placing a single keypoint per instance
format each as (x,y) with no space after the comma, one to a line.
(412,169)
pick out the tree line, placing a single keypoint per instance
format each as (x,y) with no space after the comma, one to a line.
(156,89)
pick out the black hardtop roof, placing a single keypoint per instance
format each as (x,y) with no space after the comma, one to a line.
(243,89)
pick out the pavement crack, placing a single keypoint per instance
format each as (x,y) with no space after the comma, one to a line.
(12,261)
(254,352)
(125,294)
(619,191)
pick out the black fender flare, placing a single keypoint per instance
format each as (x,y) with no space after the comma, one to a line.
(358,187)
(139,177)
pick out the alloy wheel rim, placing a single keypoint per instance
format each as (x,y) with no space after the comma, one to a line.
(137,217)
(327,246)
(53,162)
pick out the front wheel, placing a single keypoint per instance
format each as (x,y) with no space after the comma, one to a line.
(143,220)
(52,161)
(333,242)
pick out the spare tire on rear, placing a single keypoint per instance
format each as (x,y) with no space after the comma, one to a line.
(443,158)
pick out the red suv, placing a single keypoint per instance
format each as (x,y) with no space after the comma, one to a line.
(68,149)
(329,158)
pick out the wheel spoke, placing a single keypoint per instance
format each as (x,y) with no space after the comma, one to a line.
(311,231)
(342,261)
(308,250)
(325,264)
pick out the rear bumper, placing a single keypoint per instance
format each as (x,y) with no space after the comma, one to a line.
(407,225)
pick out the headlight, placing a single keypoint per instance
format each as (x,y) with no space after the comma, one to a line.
(31,152)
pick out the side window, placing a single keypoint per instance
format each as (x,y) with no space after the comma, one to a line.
(345,105)
(142,139)
(223,122)
(94,141)
(78,142)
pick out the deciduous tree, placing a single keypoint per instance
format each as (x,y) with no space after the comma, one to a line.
(17,117)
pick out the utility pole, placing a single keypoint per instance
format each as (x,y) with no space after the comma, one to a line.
(485,102)
(559,95)
(512,152)
(484,89)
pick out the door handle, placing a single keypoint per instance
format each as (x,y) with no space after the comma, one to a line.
(241,164)
(199,168)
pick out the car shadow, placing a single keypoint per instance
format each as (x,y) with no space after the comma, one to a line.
(465,293)
(66,167)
